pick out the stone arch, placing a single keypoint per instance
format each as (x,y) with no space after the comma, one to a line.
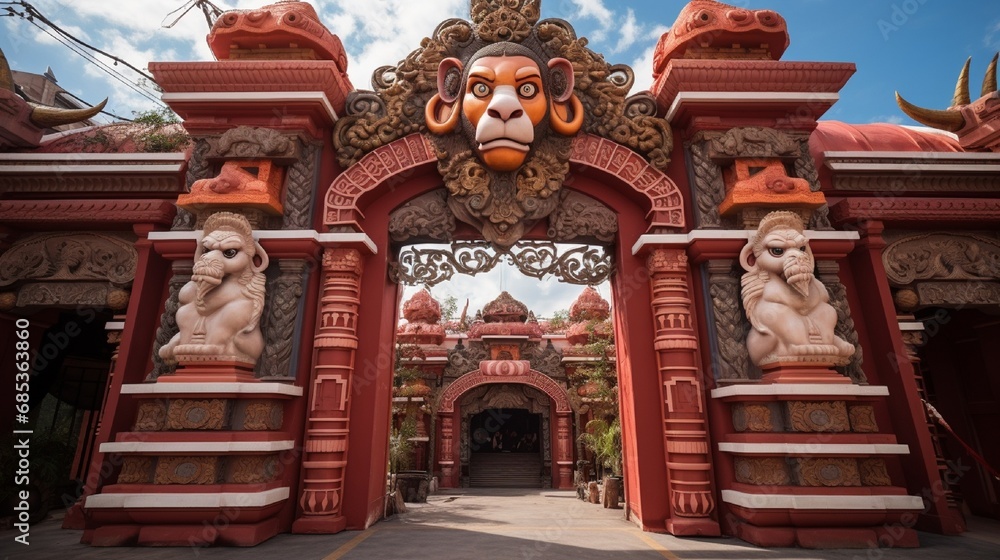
(504,372)
(403,158)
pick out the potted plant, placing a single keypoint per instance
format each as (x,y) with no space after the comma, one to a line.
(604,440)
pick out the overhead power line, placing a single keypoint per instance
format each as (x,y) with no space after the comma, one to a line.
(211,11)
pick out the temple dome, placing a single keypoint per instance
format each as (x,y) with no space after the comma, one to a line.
(589,306)
(422,308)
(505,309)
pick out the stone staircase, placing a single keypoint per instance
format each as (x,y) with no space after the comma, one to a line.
(505,470)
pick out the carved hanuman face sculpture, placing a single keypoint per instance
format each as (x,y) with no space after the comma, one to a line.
(500,112)
(222,304)
(787,306)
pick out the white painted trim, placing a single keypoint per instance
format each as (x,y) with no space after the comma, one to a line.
(912,155)
(188,500)
(505,337)
(114,326)
(85,156)
(196,446)
(685,239)
(912,326)
(212,389)
(293,234)
(252,97)
(748,97)
(800,390)
(912,167)
(815,448)
(102,169)
(821,502)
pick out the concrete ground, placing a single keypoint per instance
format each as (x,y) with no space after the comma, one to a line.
(499,524)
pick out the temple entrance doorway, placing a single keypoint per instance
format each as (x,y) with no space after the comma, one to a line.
(505,449)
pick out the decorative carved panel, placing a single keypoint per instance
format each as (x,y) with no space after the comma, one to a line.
(88,294)
(245,142)
(580,216)
(151,417)
(874,472)
(136,470)
(545,359)
(184,414)
(186,470)
(863,419)
(762,471)
(752,418)
(828,275)
(958,293)
(168,320)
(823,471)
(424,218)
(299,187)
(254,469)
(942,256)
(584,264)
(263,415)
(731,361)
(280,313)
(70,257)
(809,416)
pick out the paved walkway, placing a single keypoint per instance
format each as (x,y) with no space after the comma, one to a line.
(498,525)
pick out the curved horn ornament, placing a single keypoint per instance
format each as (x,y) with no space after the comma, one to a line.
(952,121)
(961,97)
(48,117)
(990,79)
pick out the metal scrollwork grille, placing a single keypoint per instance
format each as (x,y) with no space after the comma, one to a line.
(574,264)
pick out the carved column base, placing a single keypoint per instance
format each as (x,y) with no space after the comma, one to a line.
(319,524)
(211,372)
(693,527)
(565,474)
(802,372)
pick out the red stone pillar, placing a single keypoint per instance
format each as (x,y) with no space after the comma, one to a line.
(685,421)
(327,423)
(564,450)
(449,468)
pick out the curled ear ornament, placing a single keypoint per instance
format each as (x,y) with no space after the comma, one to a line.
(566,111)
(264,260)
(747,259)
(442,111)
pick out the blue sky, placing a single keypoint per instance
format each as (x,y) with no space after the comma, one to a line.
(914,46)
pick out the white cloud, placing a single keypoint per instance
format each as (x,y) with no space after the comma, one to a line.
(643,64)
(629,32)
(890,119)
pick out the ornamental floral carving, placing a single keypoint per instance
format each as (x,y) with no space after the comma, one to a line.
(863,419)
(808,416)
(823,471)
(942,256)
(874,473)
(255,469)
(752,418)
(186,470)
(426,217)
(762,471)
(70,257)
(263,415)
(501,98)
(151,417)
(196,415)
(136,470)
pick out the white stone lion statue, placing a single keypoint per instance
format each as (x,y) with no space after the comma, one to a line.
(788,307)
(220,307)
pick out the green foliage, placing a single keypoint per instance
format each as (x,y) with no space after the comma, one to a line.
(559,320)
(155,117)
(449,308)
(400,446)
(156,134)
(604,440)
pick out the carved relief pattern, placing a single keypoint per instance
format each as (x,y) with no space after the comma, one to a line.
(70,257)
(82,211)
(546,359)
(557,393)
(168,320)
(465,358)
(279,323)
(958,293)
(136,470)
(151,417)
(299,188)
(246,142)
(731,326)
(863,419)
(940,256)
(186,470)
(183,414)
(263,415)
(752,418)
(874,473)
(335,344)
(808,416)
(684,419)
(824,471)
(845,323)
(805,167)
(584,264)
(578,215)
(254,469)
(752,142)
(762,471)
(709,187)
(198,168)
(64,293)
(425,217)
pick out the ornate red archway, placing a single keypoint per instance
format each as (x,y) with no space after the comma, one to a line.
(506,371)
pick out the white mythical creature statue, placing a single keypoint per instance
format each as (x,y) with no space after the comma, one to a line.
(788,307)
(220,307)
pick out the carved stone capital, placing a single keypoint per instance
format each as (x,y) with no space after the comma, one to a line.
(342,261)
(667,261)
(245,142)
